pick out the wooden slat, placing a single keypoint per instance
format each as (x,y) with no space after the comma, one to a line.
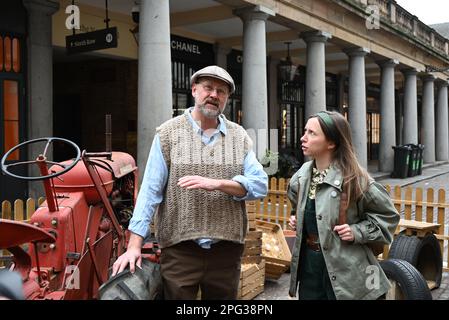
(418,207)
(6,210)
(30,208)
(282,186)
(397,195)
(18,210)
(408,207)
(40,201)
(440,216)
(429,209)
(265,208)
(273,184)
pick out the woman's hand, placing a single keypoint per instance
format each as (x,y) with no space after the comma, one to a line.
(344,232)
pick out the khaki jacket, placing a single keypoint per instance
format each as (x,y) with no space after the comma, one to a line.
(353,270)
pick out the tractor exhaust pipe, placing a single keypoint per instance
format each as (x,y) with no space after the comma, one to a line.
(108,133)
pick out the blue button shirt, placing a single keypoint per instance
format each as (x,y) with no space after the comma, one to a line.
(151,194)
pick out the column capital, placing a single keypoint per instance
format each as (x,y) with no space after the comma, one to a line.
(442,83)
(428,78)
(409,71)
(315,36)
(256,12)
(44,6)
(356,51)
(221,49)
(388,63)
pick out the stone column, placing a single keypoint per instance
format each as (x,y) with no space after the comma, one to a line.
(442,151)
(254,82)
(221,55)
(273,105)
(387,116)
(40,80)
(410,107)
(428,119)
(315,71)
(357,102)
(155,82)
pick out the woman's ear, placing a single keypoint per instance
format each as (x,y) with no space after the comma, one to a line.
(331,146)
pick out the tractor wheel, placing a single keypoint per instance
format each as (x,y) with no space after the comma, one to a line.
(407,282)
(144,284)
(423,253)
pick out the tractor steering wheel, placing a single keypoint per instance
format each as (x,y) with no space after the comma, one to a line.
(5,167)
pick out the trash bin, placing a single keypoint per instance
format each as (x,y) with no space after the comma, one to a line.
(414,160)
(421,151)
(401,161)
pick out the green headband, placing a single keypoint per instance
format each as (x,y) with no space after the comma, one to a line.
(326,119)
(330,125)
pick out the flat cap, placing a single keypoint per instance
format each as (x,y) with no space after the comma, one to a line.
(214,72)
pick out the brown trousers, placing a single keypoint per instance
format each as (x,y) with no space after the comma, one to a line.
(186,267)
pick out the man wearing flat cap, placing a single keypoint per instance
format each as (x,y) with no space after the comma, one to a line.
(200,170)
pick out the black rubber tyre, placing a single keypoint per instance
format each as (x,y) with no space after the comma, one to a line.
(423,253)
(144,284)
(410,283)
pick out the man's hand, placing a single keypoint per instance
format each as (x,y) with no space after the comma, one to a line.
(132,256)
(230,187)
(198,182)
(344,232)
(292,222)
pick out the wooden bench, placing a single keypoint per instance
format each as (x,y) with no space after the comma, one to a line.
(418,228)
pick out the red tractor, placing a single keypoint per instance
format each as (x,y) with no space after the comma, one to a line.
(68,247)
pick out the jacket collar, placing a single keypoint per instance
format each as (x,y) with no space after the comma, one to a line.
(306,170)
(333,177)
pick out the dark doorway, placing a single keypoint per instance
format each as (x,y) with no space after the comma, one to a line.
(66,124)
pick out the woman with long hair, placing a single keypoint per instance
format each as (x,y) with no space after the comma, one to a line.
(341,216)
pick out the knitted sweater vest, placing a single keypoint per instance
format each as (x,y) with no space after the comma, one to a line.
(191,214)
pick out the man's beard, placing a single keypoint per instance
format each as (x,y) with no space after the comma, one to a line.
(209,113)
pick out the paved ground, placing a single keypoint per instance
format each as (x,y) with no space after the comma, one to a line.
(436,177)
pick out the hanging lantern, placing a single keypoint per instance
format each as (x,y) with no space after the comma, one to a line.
(287,69)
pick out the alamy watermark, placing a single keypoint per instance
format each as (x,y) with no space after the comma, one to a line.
(372,281)
(73,20)
(72,280)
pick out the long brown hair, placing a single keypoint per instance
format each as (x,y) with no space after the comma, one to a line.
(337,130)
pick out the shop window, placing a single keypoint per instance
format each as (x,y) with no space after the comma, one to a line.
(291,126)
(7,53)
(180,103)
(373,135)
(10,54)
(16,55)
(11,116)
(1,54)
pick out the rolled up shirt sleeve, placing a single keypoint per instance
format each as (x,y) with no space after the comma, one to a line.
(254,179)
(151,191)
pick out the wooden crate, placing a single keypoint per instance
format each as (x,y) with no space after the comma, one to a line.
(251,214)
(252,280)
(275,249)
(252,252)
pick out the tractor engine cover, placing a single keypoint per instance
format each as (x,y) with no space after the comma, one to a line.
(78,179)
